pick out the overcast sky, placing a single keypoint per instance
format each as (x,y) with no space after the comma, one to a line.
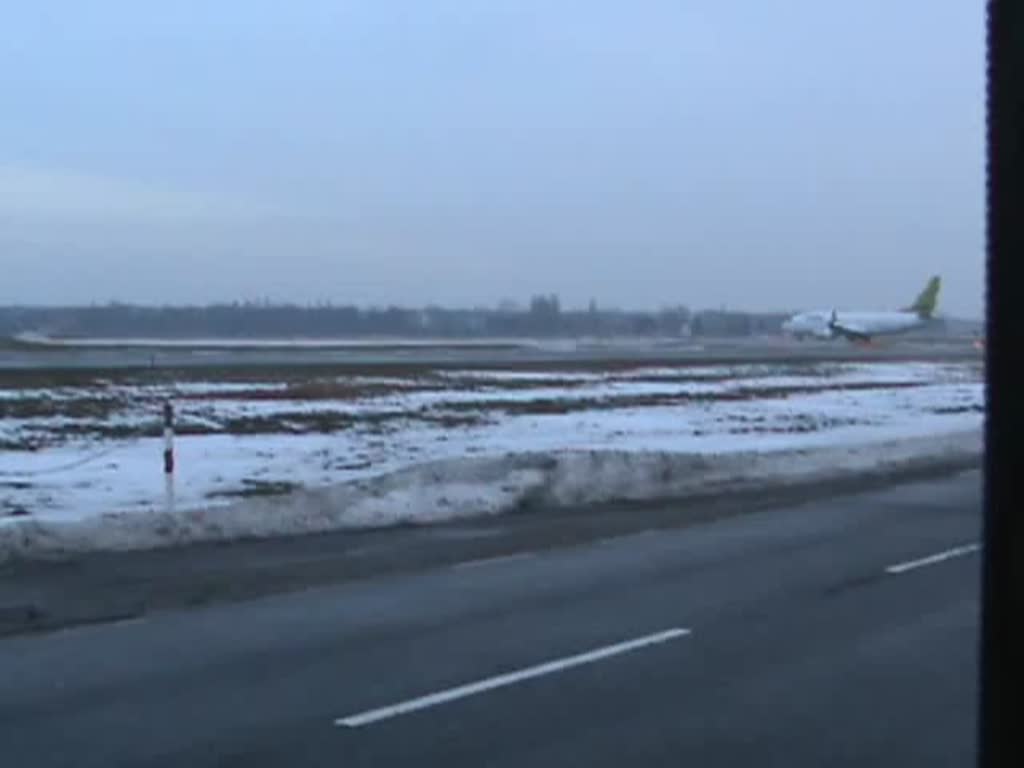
(766,154)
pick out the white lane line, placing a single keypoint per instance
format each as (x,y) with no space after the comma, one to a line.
(510,678)
(938,557)
(493,560)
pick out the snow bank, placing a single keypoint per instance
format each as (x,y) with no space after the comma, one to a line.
(470,487)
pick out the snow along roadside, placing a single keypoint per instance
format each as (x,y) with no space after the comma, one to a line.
(463,488)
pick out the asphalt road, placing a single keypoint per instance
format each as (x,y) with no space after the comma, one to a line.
(534,353)
(840,632)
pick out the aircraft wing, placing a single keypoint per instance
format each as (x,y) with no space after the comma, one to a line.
(852,331)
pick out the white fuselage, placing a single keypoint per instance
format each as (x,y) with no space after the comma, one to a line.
(819,324)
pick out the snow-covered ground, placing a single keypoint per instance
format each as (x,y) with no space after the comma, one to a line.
(97,463)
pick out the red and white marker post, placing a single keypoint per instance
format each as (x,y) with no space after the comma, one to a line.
(168,439)
(169,455)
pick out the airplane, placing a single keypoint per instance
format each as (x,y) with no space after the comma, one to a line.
(864,326)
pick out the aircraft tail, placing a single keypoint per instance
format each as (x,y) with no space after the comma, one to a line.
(927,300)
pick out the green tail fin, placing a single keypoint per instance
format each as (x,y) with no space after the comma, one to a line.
(927,300)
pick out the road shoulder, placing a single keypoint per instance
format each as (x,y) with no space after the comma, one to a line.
(39,596)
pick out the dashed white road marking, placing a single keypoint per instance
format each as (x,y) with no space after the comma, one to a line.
(938,557)
(494,560)
(510,678)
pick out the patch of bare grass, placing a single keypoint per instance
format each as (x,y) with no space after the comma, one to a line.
(556,406)
(254,488)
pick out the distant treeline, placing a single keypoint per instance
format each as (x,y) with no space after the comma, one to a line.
(543,317)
